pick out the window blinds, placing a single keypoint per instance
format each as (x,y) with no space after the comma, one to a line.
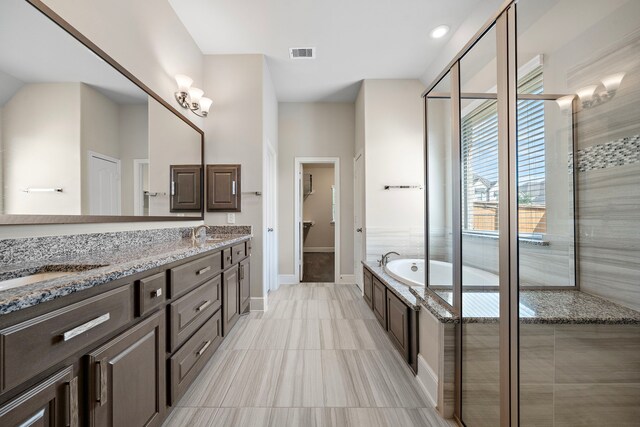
(480,162)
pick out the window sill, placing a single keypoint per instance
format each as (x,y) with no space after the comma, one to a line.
(494,236)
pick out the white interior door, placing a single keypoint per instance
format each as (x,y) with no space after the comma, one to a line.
(271,245)
(300,215)
(104,185)
(358,217)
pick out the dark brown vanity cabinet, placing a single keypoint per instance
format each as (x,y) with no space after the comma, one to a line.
(244,276)
(398,319)
(380,302)
(186,186)
(367,288)
(127,377)
(53,402)
(120,353)
(223,188)
(231,298)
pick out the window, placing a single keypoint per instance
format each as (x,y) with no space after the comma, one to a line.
(480,163)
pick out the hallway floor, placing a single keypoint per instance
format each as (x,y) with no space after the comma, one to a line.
(317,357)
(318,267)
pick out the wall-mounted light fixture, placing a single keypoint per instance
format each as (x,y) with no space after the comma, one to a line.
(597,94)
(191,97)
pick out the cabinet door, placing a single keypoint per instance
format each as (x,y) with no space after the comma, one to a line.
(186,184)
(380,302)
(398,321)
(245,285)
(231,299)
(223,188)
(127,377)
(53,402)
(368,287)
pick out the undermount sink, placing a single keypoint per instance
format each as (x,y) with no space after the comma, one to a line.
(46,275)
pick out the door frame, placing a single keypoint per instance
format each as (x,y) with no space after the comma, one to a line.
(297,206)
(270,209)
(359,193)
(137,185)
(95,154)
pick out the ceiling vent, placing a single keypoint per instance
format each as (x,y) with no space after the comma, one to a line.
(302,53)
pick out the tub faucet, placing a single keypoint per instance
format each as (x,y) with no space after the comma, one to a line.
(383,261)
(195,231)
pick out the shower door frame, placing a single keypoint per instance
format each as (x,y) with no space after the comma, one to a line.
(508,248)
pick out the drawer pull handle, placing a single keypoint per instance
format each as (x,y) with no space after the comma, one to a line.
(72,407)
(101,382)
(204,348)
(31,421)
(157,293)
(72,333)
(204,270)
(204,305)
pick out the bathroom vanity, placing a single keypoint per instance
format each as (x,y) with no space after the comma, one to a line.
(396,310)
(119,344)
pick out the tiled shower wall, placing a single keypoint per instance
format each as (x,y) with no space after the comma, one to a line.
(609,178)
(408,242)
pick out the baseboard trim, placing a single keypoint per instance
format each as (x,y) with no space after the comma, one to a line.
(288,279)
(347,279)
(319,249)
(428,381)
(257,304)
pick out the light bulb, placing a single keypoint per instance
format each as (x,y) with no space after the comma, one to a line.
(194,95)
(184,82)
(612,83)
(565,102)
(205,104)
(586,94)
(439,31)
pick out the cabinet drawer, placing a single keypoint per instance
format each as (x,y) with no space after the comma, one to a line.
(192,310)
(238,253)
(151,293)
(227,258)
(32,346)
(191,274)
(185,365)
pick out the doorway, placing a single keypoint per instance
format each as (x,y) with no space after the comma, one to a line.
(104,184)
(317,219)
(358,217)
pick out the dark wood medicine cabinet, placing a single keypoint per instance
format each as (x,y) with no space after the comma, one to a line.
(224,188)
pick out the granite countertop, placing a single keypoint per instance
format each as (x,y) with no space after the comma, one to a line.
(544,307)
(111,265)
(405,293)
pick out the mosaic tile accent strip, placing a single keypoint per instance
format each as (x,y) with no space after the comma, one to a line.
(621,152)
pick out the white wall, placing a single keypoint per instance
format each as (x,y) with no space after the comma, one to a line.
(171,142)
(153,44)
(317,207)
(134,144)
(41,135)
(99,132)
(315,130)
(394,155)
(241,120)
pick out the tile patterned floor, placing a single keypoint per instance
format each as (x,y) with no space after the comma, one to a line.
(317,357)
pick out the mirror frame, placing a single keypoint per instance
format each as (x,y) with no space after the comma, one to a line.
(86,219)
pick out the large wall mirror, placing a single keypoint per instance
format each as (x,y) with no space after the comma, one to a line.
(81,139)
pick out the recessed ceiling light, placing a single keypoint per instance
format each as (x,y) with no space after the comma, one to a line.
(439,31)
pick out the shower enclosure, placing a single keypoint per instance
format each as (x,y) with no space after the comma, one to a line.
(533,176)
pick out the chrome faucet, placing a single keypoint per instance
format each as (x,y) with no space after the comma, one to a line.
(383,261)
(195,231)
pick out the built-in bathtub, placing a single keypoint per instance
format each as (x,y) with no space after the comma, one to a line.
(410,272)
